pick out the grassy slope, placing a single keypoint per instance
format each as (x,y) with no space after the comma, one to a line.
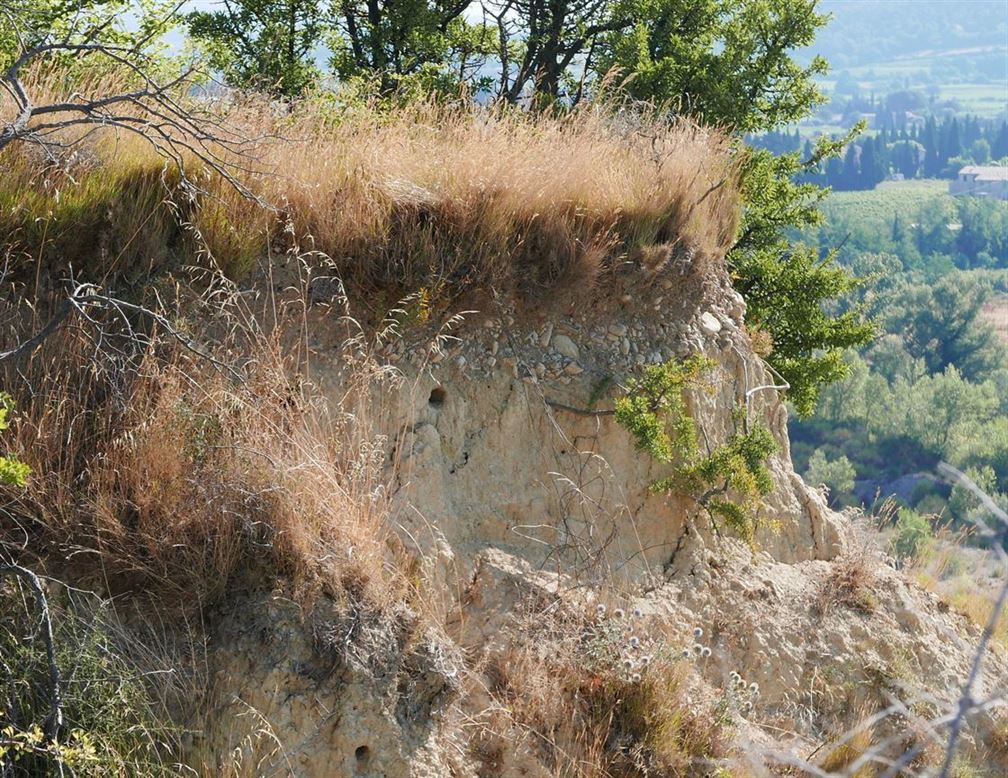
(878,206)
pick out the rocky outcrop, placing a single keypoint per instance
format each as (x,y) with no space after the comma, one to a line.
(516,493)
(504,435)
(336,691)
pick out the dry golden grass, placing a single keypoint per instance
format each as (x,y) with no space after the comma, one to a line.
(451,198)
(168,479)
(841,757)
(961,577)
(849,583)
(564,691)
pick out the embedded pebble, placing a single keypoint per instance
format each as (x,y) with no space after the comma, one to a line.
(565,346)
(709,323)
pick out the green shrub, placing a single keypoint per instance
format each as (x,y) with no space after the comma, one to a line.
(837,474)
(109,723)
(12,471)
(727,481)
(914,536)
(654,409)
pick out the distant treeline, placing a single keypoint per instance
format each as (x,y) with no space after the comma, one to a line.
(932,149)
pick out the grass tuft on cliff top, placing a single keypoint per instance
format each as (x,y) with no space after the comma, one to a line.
(443,196)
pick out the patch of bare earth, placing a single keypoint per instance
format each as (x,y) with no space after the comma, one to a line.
(995,311)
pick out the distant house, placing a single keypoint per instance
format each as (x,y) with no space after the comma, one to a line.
(981,181)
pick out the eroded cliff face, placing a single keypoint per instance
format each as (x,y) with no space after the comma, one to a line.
(517,496)
(507,437)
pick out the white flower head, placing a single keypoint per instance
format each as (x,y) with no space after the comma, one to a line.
(754,688)
(697,633)
(637,613)
(697,648)
(600,609)
(635,677)
(705,652)
(634,641)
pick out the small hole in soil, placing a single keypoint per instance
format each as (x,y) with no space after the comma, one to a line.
(363,755)
(437,397)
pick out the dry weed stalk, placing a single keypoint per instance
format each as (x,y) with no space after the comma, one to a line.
(849,583)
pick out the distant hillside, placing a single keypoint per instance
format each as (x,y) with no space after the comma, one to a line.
(864,33)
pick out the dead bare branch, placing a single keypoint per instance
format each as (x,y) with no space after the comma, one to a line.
(179,129)
(55,720)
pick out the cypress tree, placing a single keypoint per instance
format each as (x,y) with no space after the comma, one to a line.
(932,155)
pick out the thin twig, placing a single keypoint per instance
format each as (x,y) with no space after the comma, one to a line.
(55,719)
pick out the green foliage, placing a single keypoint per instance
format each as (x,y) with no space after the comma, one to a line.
(110,726)
(788,288)
(913,536)
(837,474)
(966,507)
(730,64)
(941,324)
(729,479)
(12,471)
(987,446)
(407,46)
(139,24)
(919,222)
(785,294)
(262,43)
(937,411)
(727,62)
(380,47)
(654,409)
